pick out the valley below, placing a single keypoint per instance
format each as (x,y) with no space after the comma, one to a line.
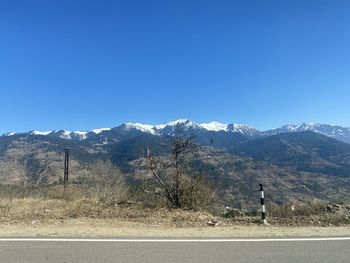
(111,177)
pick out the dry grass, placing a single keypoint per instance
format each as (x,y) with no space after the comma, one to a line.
(312,213)
(80,202)
(32,209)
(53,204)
(307,209)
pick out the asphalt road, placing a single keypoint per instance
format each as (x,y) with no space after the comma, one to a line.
(77,251)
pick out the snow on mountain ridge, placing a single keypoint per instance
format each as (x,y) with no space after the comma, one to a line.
(63,134)
(142,127)
(209,126)
(40,132)
(214,126)
(152,129)
(185,122)
(169,128)
(155,129)
(10,134)
(97,131)
(333,131)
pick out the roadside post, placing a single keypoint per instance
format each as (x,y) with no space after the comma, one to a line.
(262,202)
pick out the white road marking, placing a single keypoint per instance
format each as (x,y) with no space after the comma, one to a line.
(172,240)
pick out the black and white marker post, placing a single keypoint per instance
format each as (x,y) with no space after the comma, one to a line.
(262,202)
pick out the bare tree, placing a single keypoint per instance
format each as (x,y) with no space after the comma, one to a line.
(181,187)
(106,174)
(109,181)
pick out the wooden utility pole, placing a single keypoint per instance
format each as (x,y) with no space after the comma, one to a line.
(66,167)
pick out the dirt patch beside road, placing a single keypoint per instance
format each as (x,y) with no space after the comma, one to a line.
(87,217)
(114,228)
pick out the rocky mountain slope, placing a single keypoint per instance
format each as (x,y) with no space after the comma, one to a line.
(302,151)
(214,129)
(333,131)
(295,163)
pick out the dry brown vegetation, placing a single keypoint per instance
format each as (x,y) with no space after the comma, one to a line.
(181,185)
(311,213)
(53,204)
(103,194)
(77,202)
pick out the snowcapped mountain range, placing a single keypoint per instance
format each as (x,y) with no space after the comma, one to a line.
(170,128)
(63,134)
(333,131)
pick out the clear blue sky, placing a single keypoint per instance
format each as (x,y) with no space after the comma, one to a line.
(84,64)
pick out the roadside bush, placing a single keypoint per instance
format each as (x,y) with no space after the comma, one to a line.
(286,211)
(181,185)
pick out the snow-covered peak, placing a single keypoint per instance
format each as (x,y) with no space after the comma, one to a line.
(168,128)
(185,122)
(177,127)
(98,131)
(334,131)
(81,135)
(179,121)
(10,134)
(79,132)
(241,126)
(185,125)
(290,127)
(64,134)
(40,132)
(243,129)
(308,126)
(214,126)
(161,129)
(141,127)
(301,127)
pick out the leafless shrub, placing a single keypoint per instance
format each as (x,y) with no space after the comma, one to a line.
(289,210)
(109,183)
(5,207)
(180,186)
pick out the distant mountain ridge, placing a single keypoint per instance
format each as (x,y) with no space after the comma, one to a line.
(333,131)
(185,125)
(303,151)
(294,161)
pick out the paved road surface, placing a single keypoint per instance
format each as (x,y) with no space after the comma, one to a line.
(77,251)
